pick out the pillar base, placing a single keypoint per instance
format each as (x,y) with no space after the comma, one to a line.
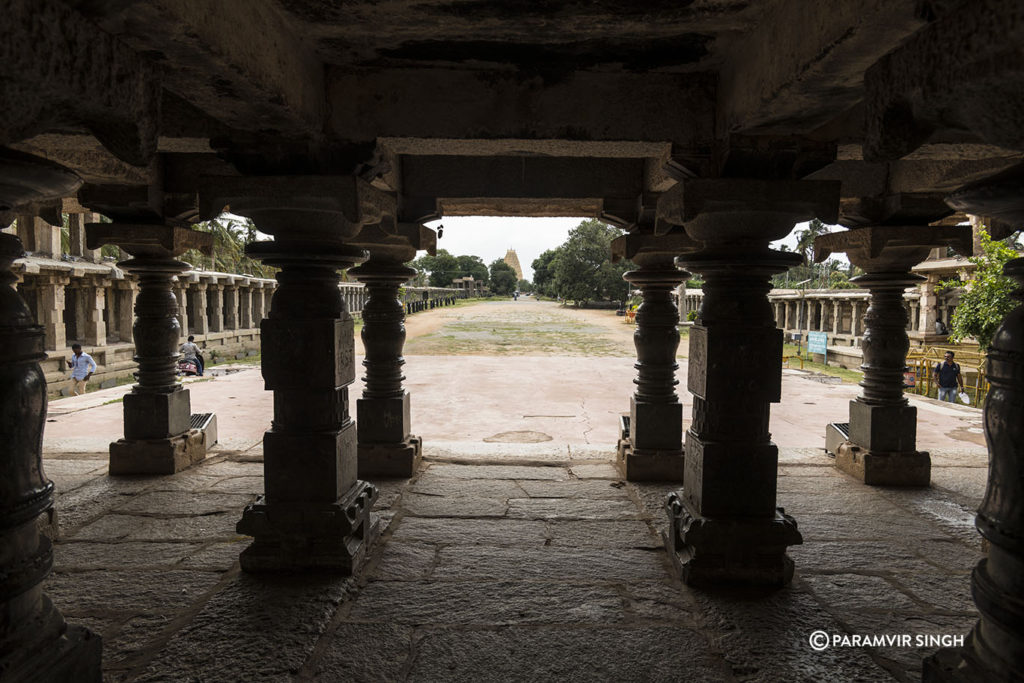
(157,456)
(640,464)
(884,469)
(299,536)
(954,665)
(401,460)
(733,550)
(75,656)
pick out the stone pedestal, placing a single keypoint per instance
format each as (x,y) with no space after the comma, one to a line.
(653,449)
(157,413)
(725,526)
(883,425)
(386,446)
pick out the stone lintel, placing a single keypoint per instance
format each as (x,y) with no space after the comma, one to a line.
(305,535)
(996,197)
(650,249)
(797,200)
(157,456)
(892,248)
(911,468)
(736,550)
(143,239)
(390,460)
(317,205)
(395,242)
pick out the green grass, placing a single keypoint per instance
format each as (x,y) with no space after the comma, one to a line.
(253,360)
(852,376)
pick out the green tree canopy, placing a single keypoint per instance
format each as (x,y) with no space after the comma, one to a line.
(472,265)
(525,286)
(543,274)
(503,278)
(444,267)
(230,235)
(986,299)
(582,266)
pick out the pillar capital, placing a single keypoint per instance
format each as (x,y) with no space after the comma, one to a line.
(889,248)
(393,242)
(144,240)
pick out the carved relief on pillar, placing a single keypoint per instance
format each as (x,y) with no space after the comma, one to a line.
(882,446)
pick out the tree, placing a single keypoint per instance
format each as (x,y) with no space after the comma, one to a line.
(230,235)
(805,238)
(986,299)
(443,268)
(503,278)
(525,286)
(543,274)
(472,266)
(582,266)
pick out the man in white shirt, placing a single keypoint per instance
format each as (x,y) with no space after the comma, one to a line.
(190,350)
(82,366)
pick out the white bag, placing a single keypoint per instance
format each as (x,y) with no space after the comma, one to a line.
(964,398)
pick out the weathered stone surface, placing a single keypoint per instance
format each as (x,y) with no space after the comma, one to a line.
(132,639)
(84,555)
(611,534)
(436,506)
(858,591)
(498,472)
(815,527)
(572,564)
(841,501)
(364,652)
(230,637)
(486,602)
(252,485)
(942,591)
(660,601)
(106,591)
(184,503)
(599,489)
(436,485)
(567,508)
(471,531)
(563,654)
(132,528)
(405,562)
(218,556)
(595,471)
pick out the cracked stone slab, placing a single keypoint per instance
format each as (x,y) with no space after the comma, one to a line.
(595,471)
(404,562)
(85,555)
(103,591)
(497,472)
(185,503)
(419,505)
(486,602)
(603,534)
(436,485)
(598,488)
(364,652)
(567,564)
(256,628)
(136,528)
(858,591)
(569,508)
(471,531)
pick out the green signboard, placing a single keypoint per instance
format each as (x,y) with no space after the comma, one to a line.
(817,342)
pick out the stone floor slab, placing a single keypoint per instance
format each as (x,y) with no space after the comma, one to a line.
(562,564)
(471,531)
(565,509)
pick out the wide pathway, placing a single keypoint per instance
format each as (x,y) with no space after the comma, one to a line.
(517,552)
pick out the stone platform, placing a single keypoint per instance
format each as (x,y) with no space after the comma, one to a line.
(506,562)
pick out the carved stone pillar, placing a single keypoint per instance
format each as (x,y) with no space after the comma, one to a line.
(181,294)
(257,303)
(215,309)
(994,649)
(126,291)
(36,644)
(158,438)
(51,309)
(231,306)
(383,416)
(725,526)
(200,321)
(837,317)
(315,513)
(652,450)
(245,307)
(883,425)
(95,300)
(855,318)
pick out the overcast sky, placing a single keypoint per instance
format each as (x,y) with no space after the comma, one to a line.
(489,238)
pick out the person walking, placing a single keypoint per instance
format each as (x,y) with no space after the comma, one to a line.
(82,366)
(948,377)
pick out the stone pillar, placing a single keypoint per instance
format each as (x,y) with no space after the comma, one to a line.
(836,317)
(181,294)
(994,649)
(315,513)
(245,307)
(258,310)
(76,228)
(51,309)
(882,448)
(200,321)
(386,445)
(929,303)
(215,308)
(158,438)
(36,644)
(95,299)
(725,526)
(125,308)
(855,318)
(231,306)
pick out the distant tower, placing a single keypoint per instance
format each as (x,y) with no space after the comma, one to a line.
(513,260)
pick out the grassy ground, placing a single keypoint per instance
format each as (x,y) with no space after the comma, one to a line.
(790,350)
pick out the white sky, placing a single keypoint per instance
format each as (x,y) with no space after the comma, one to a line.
(489,237)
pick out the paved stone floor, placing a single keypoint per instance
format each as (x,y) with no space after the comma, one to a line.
(505,560)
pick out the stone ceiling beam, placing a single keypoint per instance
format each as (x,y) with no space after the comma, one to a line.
(239,61)
(775,77)
(449,103)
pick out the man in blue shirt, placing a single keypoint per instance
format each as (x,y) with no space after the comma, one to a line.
(82,366)
(947,376)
